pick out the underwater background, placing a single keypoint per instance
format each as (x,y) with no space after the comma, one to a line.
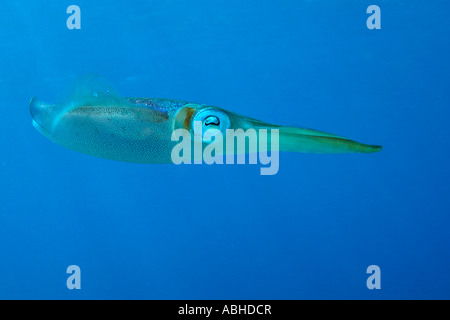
(224,231)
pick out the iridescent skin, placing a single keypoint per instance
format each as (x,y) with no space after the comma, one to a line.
(139,129)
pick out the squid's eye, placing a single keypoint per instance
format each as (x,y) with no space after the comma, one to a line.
(213,119)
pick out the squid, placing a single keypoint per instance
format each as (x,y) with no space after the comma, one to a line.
(95,120)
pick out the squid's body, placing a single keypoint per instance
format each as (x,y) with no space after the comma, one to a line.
(98,122)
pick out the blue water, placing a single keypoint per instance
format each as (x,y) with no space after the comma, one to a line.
(224,231)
